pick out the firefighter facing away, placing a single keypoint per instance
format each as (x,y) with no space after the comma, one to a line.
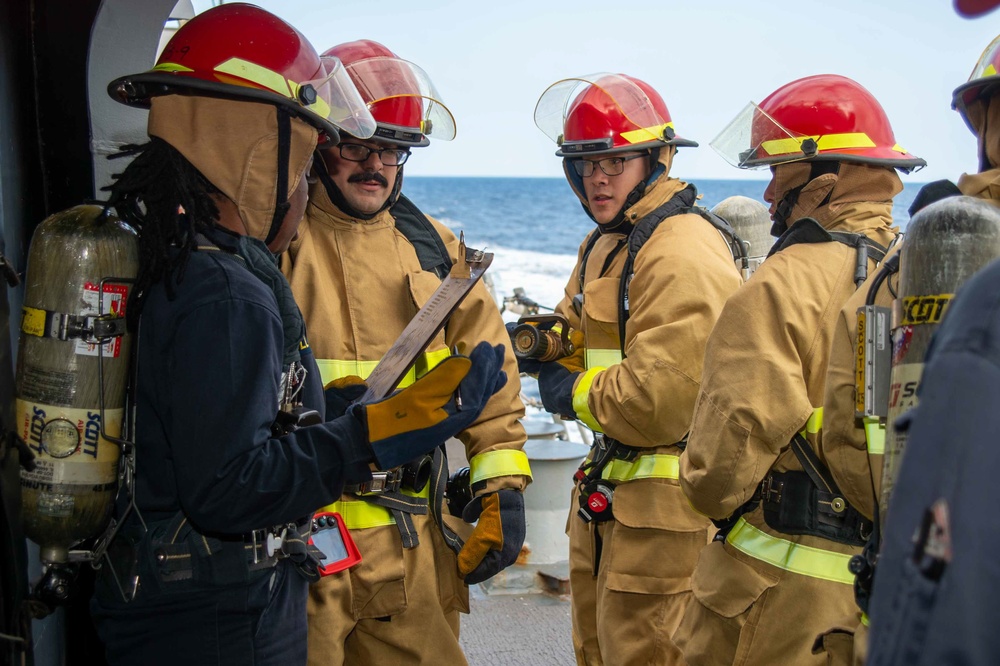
(649,283)
(776,574)
(366,258)
(224,495)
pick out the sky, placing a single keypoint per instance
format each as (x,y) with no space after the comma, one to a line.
(491,61)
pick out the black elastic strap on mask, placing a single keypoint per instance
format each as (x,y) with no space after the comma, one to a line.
(281,204)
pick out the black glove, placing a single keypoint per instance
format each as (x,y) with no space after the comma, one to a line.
(555,385)
(341,394)
(416,420)
(496,542)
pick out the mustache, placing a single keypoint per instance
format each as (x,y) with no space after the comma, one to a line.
(369,177)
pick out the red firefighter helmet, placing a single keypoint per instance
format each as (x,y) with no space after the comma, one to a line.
(982,82)
(975,8)
(822,117)
(602,113)
(400,95)
(243,52)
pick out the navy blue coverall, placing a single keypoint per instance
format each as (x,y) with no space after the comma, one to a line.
(936,593)
(209,368)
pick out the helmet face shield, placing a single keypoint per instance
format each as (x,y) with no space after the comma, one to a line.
(600,112)
(755,140)
(988,61)
(825,117)
(982,82)
(400,94)
(337,100)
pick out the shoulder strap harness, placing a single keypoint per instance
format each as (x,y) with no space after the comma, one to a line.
(808,230)
(642,231)
(426,241)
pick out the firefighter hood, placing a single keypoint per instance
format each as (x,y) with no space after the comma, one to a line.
(235,145)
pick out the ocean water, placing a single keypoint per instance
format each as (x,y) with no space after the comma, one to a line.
(534,226)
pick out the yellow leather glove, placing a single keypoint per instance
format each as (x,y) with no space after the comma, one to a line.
(577,361)
(496,542)
(341,393)
(416,420)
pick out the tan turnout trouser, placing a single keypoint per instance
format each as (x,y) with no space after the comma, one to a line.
(398,606)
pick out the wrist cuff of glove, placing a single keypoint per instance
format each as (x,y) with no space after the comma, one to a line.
(349,457)
(359,415)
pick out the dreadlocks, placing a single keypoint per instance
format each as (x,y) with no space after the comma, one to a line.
(167,200)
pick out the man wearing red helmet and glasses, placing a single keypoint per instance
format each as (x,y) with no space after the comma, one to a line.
(650,281)
(777,574)
(365,260)
(232,451)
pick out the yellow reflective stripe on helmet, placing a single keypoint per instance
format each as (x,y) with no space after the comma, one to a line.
(505,462)
(171,67)
(331,369)
(794,557)
(603,358)
(645,134)
(815,422)
(875,435)
(581,395)
(823,142)
(656,466)
(319,107)
(989,71)
(359,514)
(258,74)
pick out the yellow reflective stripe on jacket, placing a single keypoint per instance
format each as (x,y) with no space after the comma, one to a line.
(875,435)
(359,514)
(331,369)
(815,422)
(581,395)
(505,462)
(794,557)
(656,466)
(603,358)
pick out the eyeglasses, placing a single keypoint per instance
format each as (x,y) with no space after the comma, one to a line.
(355,152)
(611,166)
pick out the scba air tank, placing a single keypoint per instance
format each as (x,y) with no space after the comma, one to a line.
(945,244)
(69,494)
(751,221)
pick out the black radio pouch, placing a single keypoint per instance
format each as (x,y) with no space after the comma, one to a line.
(809,502)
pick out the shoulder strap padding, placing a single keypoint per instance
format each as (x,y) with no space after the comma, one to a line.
(644,228)
(808,230)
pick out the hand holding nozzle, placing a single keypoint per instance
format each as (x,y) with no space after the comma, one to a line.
(538,338)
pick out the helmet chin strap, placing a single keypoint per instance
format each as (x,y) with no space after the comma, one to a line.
(337,197)
(281,204)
